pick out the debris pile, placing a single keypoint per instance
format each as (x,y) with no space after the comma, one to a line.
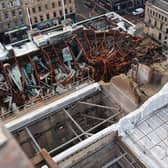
(111,53)
(54,68)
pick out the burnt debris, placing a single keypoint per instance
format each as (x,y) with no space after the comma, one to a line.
(56,66)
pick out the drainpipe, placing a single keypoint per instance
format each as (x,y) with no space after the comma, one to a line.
(29,19)
(63,8)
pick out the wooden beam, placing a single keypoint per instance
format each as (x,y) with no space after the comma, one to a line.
(48,159)
(37,160)
(77,125)
(100,106)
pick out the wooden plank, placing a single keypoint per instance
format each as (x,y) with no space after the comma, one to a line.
(48,159)
(37,160)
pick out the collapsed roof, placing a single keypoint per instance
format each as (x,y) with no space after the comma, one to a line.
(84,54)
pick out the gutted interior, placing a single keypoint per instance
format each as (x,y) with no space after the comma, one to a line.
(68,59)
(111,155)
(69,126)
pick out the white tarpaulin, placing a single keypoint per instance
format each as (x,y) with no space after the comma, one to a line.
(145,131)
(154,103)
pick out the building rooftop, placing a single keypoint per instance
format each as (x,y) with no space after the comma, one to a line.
(162,4)
(109,21)
(151,135)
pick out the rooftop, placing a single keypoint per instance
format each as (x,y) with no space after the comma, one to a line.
(142,135)
(162,4)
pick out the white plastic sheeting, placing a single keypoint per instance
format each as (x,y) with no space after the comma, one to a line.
(145,131)
(26,48)
(154,103)
(149,139)
(3,52)
(146,158)
(53,107)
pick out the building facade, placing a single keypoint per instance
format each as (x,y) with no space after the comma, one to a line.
(156,20)
(117,5)
(11,15)
(47,12)
(16,16)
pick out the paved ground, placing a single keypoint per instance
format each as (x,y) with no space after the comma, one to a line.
(83,12)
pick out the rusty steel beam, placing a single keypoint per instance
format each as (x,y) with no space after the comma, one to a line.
(46,55)
(88,42)
(6,77)
(35,70)
(80,45)
(100,61)
(72,53)
(37,159)
(59,59)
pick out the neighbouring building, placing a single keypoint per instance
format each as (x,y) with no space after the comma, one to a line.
(11,17)
(118,5)
(44,13)
(16,16)
(156,20)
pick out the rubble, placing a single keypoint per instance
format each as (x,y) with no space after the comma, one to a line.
(86,54)
(123,91)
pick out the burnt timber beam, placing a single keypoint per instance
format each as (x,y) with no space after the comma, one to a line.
(77,125)
(100,106)
(95,118)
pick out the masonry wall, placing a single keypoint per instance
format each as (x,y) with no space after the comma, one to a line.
(156,23)
(14,14)
(11,15)
(43,10)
